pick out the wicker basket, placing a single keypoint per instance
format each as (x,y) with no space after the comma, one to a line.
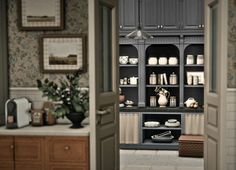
(191,146)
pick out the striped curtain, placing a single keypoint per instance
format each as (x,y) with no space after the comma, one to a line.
(194,123)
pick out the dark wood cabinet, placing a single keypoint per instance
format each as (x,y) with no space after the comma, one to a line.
(6,153)
(40,153)
(193,14)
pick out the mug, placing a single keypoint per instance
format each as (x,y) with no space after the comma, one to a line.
(125,81)
(121,81)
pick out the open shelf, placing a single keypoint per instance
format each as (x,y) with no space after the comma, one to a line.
(194,65)
(128,65)
(148,65)
(194,86)
(162,127)
(172,146)
(128,85)
(158,85)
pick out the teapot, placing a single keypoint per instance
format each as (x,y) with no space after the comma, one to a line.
(133,80)
(191,102)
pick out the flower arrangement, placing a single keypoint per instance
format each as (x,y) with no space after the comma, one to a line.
(67,95)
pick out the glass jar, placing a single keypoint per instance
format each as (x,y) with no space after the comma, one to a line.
(173,79)
(172,101)
(153,101)
(153,78)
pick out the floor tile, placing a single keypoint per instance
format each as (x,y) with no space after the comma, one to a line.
(124,151)
(145,152)
(162,168)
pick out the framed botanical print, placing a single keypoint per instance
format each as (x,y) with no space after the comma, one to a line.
(41,14)
(63,53)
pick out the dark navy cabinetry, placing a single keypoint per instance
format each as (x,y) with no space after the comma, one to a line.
(162,16)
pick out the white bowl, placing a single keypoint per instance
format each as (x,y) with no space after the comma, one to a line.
(172,120)
(123,59)
(133,60)
(152,61)
(173,61)
(168,124)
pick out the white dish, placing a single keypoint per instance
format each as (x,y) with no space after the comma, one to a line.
(151,124)
(168,124)
(152,61)
(162,61)
(123,59)
(122,105)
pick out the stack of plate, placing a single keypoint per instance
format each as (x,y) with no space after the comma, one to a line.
(165,137)
(172,123)
(151,124)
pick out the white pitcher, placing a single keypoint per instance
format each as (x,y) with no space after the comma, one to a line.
(163,98)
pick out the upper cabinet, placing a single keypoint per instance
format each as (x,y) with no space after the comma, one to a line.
(193,14)
(128,16)
(157,16)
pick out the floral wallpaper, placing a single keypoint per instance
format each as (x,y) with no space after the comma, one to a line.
(232,44)
(24,66)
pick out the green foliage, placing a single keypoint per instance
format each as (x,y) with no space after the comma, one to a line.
(67,93)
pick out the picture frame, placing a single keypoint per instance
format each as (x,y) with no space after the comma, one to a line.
(200,75)
(63,53)
(41,15)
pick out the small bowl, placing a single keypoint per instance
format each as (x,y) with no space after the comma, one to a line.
(129,102)
(123,59)
(133,60)
(172,120)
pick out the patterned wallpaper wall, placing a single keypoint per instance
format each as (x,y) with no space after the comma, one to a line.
(232,44)
(24,66)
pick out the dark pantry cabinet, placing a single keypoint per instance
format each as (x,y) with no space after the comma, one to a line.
(161,16)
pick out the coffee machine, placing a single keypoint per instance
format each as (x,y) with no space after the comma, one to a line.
(17,113)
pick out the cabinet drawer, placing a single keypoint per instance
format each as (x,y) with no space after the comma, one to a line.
(67,167)
(67,150)
(7,165)
(29,149)
(28,166)
(6,148)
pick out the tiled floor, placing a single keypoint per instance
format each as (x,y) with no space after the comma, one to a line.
(157,160)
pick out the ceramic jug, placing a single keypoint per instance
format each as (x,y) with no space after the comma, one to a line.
(163,98)
(133,80)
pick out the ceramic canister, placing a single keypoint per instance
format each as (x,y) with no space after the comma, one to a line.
(153,78)
(190,59)
(200,59)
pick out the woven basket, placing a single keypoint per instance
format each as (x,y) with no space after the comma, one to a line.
(190,148)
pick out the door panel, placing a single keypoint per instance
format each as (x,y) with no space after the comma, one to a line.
(103,81)
(216,84)
(151,17)
(6,148)
(170,14)
(191,14)
(128,14)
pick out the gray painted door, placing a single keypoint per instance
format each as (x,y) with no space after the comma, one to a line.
(103,84)
(192,14)
(128,14)
(216,85)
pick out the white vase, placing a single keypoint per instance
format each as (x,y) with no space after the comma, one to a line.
(162,101)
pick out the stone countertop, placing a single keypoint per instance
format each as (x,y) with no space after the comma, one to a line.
(54,130)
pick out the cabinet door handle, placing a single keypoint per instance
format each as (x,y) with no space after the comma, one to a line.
(203,26)
(12,146)
(121,26)
(162,26)
(67,148)
(158,26)
(199,26)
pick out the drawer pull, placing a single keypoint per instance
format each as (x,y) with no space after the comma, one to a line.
(67,148)
(12,146)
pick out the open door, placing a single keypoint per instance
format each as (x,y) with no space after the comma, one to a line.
(216,83)
(103,84)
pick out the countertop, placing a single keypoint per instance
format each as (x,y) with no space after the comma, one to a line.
(54,130)
(158,109)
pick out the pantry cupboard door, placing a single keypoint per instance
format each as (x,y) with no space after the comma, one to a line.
(216,84)
(103,84)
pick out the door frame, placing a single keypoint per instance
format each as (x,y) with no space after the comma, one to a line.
(222,81)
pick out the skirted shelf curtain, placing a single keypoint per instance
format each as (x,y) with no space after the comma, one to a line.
(129,128)
(194,124)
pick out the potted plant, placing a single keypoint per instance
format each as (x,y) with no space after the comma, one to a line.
(70,100)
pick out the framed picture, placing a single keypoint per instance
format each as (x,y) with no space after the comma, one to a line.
(199,74)
(41,14)
(63,53)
